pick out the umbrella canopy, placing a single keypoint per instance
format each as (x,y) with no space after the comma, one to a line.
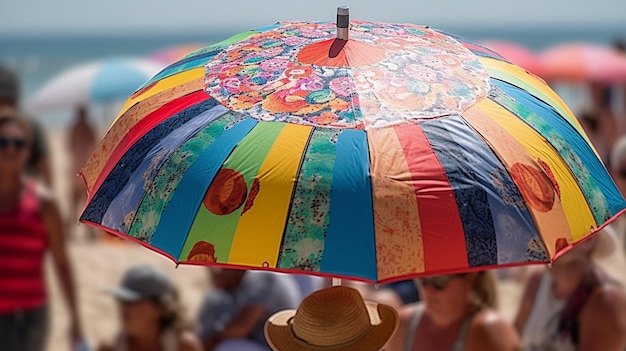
(174,53)
(99,81)
(517,54)
(583,62)
(399,152)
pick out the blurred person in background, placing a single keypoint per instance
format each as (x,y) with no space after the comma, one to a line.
(591,125)
(150,314)
(458,313)
(618,172)
(81,144)
(575,305)
(600,120)
(620,46)
(30,226)
(384,294)
(234,311)
(38,162)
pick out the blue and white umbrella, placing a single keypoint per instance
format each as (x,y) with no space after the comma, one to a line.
(100,81)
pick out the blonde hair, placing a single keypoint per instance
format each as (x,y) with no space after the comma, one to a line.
(484,290)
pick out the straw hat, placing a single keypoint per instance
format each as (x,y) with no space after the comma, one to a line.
(335,318)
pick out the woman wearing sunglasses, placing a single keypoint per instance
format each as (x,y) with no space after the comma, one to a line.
(30,225)
(457,314)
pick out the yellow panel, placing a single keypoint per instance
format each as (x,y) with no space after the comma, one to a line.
(574,203)
(535,86)
(268,215)
(162,85)
(530,83)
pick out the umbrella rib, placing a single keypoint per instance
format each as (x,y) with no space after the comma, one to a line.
(372,206)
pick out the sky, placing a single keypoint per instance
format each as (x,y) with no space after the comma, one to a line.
(120,16)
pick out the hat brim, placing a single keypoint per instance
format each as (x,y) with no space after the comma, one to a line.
(123,294)
(280,337)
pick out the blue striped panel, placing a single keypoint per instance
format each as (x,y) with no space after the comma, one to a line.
(488,211)
(122,209)
(131,160)
(178,216)
(350,248)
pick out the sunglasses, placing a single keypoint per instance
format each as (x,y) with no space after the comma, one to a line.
(17,143)
(439,282)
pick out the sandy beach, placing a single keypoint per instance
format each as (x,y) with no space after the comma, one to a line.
(101,265)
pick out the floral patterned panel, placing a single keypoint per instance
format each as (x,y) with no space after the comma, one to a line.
(385,74)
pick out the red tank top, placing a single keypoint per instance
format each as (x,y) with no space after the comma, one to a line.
(23,243)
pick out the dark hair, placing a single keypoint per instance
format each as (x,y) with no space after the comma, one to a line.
(619,45)
(171,313)
(13,116)
(9,86)
(484,290)
(568,321)
(590,119)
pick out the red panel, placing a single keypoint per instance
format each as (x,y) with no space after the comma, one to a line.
(341,53)
(442,231)
(145,125)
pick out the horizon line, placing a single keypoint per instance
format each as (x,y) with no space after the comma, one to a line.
(237,29)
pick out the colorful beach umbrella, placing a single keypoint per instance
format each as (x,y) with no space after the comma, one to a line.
(583,62)
(382,152)
(94,82)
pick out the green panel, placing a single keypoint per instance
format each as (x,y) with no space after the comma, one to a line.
(247,158)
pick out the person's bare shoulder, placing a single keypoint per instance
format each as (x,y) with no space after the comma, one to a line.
(189,342)
(608,301)
(488,330)
(398,339)
(603,319)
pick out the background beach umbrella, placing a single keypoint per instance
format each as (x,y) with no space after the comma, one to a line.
(399,152)
(517,54)
(583,62)
(100,81)
(174,53)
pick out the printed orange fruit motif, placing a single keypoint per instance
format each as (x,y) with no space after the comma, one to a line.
(535,186)
(202,251)
(560,244)
(227,192)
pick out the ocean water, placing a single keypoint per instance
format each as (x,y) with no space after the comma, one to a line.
(39,58)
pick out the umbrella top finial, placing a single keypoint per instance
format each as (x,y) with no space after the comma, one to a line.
(343,22)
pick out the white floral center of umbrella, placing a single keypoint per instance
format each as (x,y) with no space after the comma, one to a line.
(384,75)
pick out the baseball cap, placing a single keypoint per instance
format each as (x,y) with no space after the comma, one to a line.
(141,282)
